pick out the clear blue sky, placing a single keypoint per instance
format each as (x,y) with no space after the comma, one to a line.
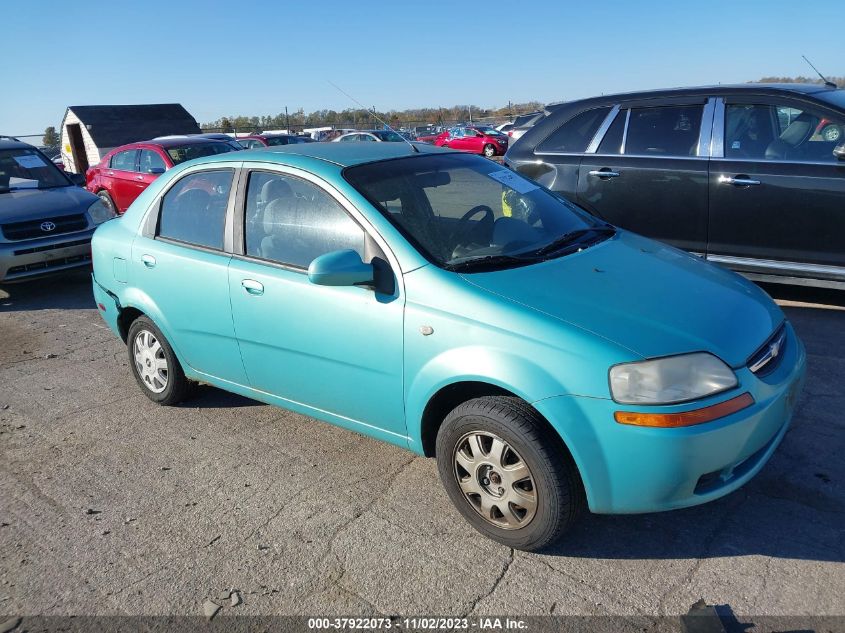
(253,58)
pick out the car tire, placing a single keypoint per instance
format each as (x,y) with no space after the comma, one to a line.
(154,365)
(489,150)
(524,496)
(831,133)
(106,198)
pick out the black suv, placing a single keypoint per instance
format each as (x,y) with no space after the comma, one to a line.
(750,176)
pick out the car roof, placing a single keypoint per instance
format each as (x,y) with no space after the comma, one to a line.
(10,144)
(175,141)
(340,154)
(772,88)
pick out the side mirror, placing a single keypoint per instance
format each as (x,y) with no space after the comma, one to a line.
(340,268)
(156,170)
(77,179)
(839,151)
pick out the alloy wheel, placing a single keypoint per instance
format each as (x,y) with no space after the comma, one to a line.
(489,151)
(495,480)
(150,361)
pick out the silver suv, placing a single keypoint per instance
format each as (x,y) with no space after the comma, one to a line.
(46,220)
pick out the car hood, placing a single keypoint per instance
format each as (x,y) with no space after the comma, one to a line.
(33,204)
(650,298)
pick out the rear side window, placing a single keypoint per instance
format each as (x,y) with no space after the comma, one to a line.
(664,131)
(124,161)
(194,210)
(574,135)
(291,221)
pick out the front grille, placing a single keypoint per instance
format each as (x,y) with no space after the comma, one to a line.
(53,263)
(51,247)
(32,228)
(766,359)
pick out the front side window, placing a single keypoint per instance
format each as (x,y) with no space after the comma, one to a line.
(26,168)
(664,131)
(194,209)
(124,161)
(181,153)
(462,210)
(291,221)
(781,132)
(574,135)
(151,162)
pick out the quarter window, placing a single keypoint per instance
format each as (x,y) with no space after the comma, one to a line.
(124,161)
(780,132)
(194,210)
(664,131)
(291,221)
(574,135)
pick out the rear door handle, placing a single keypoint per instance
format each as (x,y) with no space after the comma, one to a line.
(149,261)
(603,173)
(739,181)
(139,177)
(252,287)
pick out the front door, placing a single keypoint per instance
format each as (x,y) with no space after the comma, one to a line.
(335,350)
(183,269)
(649,174)
(151,166)
(122,173)
(777,193)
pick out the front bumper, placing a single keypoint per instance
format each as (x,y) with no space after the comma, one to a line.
(34,258)
(631,469)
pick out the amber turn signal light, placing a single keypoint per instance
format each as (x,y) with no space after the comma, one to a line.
(685,418)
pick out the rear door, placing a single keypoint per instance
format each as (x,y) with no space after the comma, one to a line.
(180,263)
(123,188)
(649,172)
(777,192)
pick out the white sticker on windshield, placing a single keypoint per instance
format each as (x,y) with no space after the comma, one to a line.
(30,161)
(512,180)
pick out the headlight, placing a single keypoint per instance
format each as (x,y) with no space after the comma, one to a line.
(99,212)
(670,380)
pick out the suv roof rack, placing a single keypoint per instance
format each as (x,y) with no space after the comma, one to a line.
(11,138)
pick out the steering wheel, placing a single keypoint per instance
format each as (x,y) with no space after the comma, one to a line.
(463,228)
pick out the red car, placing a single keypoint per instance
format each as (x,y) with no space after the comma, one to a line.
(271,140)
(129,169)
(476,139)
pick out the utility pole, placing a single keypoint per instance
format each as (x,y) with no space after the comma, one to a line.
(287,120)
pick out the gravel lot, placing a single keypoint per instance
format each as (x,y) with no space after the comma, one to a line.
(112,505)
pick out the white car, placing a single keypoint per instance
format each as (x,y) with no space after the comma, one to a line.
(380,136)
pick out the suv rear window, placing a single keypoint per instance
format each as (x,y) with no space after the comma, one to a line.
(576,133)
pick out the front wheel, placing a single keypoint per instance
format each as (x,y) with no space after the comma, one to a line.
(489,150)
(507,474)
(154,364)
(106,198)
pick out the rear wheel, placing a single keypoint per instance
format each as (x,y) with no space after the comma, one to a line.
(106,198)
(489,150)
(154,364)
(507,474)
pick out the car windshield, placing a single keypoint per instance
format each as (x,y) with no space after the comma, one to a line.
(392,137)
(464,212)
(25,168)
(181,153)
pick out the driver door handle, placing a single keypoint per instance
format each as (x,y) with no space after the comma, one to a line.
(603,173)
(252,287)
(149,261)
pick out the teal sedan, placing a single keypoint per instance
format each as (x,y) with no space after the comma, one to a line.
(436,300)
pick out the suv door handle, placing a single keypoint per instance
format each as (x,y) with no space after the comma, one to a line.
(252,287)
(739,181)
(149,261)
(603,173)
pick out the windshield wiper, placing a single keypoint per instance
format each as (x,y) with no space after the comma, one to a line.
(490,261)
(569,238)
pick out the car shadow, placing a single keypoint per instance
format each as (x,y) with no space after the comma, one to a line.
(208,397)
(67,291)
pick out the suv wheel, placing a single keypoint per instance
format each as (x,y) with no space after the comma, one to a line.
(154,364)
(489,150)
(106,198)
(504,474)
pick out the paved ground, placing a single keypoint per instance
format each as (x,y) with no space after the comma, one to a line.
(112,505)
